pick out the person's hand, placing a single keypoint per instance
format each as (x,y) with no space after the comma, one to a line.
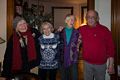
(33,34)
(60,28)
(110,69)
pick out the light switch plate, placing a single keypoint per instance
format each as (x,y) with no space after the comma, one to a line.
(118,70)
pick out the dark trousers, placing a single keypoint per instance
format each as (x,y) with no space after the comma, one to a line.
(47,74)
(69,73)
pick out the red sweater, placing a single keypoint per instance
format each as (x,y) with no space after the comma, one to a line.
(97,44)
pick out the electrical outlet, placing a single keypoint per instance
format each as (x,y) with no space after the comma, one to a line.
(118,70)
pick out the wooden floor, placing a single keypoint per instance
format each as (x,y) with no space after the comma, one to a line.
(80,71)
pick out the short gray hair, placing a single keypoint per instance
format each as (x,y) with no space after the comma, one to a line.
(16,20)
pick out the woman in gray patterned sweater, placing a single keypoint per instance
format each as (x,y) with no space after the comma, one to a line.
(50,54)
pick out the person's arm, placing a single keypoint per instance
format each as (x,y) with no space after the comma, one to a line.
(110,52)
(7,62)
(60,28)
(35,33)
(74,46)
(110,68)
(61,49)
(111,61)
(79,42)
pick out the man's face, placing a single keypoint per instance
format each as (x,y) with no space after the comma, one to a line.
(91,18)
(70,21)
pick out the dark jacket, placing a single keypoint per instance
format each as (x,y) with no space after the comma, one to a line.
(7,63)
(70,49)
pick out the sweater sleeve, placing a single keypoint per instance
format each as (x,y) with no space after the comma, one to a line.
(110,45)
(61,48)
(75,47)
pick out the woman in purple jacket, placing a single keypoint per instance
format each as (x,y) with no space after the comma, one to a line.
(70,38)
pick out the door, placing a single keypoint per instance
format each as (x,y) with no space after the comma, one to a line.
(115,12)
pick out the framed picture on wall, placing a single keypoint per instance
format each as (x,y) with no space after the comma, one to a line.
(18,10)
(59,14)
(83,14)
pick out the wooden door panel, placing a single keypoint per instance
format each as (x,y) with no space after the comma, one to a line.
(115,18)
(10,14)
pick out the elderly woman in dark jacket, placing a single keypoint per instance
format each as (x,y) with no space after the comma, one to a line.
(22,52)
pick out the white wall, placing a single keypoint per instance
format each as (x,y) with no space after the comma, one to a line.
(104,9)
(3,15)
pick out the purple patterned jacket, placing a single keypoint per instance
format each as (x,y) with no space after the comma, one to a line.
(70,50)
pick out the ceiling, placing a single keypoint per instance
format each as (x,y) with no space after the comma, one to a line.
(66,1)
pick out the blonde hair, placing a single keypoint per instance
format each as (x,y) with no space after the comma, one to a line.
(48,24)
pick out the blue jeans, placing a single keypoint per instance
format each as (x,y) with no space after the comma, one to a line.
(70,73)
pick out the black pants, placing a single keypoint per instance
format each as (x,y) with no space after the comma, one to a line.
(69,73)
(49,74)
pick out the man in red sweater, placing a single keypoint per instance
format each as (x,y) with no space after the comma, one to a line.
(98,47)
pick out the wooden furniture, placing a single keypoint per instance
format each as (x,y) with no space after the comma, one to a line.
(0,68)
(2,78)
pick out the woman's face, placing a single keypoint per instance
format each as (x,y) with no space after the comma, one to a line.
(22,26)
(46,30)
(70,21)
